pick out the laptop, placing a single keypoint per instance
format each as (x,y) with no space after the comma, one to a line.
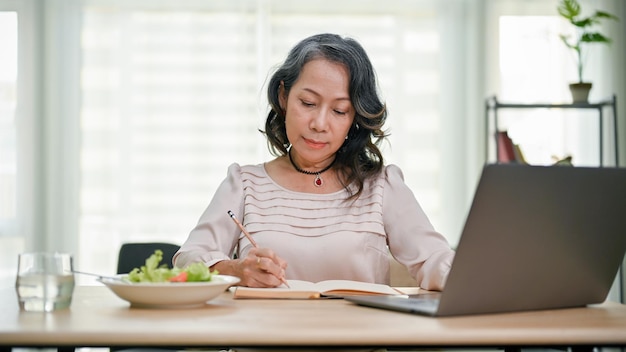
(536,237)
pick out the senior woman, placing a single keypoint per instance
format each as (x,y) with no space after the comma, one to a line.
(327,206)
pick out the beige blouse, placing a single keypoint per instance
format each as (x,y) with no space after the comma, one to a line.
(322,236)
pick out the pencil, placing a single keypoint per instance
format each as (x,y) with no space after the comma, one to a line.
(243,229)
(249,237)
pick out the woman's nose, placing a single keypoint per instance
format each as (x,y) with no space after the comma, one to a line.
(319,122)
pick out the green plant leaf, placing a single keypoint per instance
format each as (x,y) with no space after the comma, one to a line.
(584,22)
(602,14)
(569,9)
(594,37)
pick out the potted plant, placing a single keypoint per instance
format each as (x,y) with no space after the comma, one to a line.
(571,11)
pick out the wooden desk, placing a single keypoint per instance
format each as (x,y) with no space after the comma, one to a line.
(98,318)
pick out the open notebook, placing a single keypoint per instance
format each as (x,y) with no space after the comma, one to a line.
(535,238)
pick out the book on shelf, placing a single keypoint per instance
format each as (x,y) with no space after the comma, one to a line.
(299,289)
(509,152)
(506,149)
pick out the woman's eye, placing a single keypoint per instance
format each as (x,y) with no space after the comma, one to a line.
(306,103)
(339,112)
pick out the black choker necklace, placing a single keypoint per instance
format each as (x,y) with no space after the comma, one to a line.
(318,182)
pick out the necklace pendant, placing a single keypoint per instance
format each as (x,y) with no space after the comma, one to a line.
(318,182)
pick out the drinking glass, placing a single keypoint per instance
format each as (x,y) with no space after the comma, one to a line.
(45,281)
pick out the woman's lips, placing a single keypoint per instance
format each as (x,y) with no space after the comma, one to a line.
(314,144)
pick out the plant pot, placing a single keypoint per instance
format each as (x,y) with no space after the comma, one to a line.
(580,92)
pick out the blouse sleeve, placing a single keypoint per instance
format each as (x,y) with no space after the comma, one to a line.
(215,236)
(411,237)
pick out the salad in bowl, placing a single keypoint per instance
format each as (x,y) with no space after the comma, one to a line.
(157,286)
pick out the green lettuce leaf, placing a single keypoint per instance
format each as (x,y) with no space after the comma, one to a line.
(153,272)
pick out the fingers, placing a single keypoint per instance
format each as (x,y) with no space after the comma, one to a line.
(263,268)
(268,257)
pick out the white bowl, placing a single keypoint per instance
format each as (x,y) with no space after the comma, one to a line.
(169,294)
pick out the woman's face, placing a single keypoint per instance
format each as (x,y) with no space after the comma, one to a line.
(318,112)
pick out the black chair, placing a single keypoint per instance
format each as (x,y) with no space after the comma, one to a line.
(134,255)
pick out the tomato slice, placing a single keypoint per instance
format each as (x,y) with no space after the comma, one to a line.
(182,277)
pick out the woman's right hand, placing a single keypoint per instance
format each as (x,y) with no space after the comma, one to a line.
(261,267)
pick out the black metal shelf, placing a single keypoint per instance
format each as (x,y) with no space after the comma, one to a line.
(493,105)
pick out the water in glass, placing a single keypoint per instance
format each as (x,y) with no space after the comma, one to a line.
(45,281)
